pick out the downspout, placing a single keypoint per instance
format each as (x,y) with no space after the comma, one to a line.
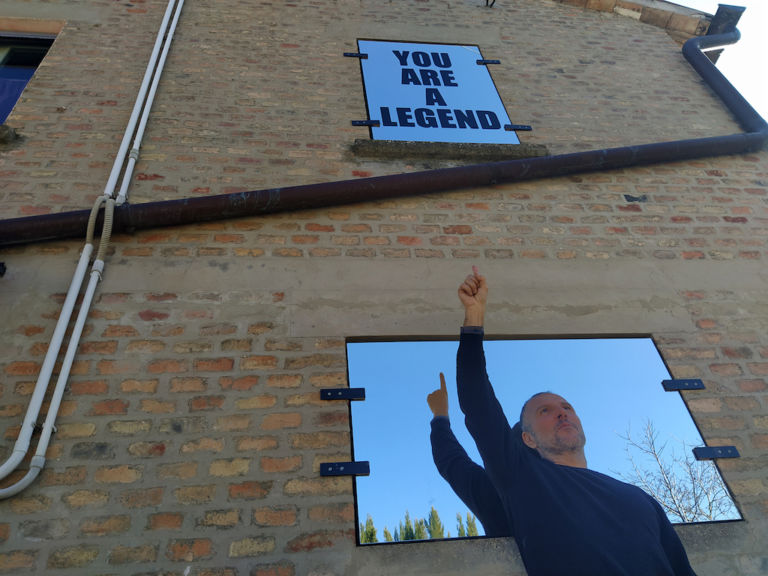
(311,196)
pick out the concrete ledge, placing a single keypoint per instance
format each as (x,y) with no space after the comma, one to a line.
(397,150)
(31,26)
(680,22)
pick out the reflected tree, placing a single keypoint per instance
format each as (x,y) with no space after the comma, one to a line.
(415,529)
(368,531)
(688,490)
(470,530)
(434,524)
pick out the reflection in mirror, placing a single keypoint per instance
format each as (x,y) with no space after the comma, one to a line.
(614,385)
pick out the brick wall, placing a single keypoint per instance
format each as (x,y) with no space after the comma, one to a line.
(191,433)
(252,98)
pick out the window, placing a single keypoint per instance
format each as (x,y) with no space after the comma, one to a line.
(613,383)
(20,56)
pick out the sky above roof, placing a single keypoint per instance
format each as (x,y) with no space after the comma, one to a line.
(744,62)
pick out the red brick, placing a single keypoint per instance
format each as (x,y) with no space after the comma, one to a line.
(759,441)
(195,494)
(98,347)
(258,363)
(333,513)
(153,315)
(167,366)
(220,518)
(202,403)
(284,464)
(242,383)
(180,384)
(758,368)
(153,406)
(284,380)
(320,539)
(189,549)
(105,525)
(22,368)
(69,477)
(133,554)
(105,407)
(274,516)
(72,557)
(142,498)
(726,369)
(165,521)
(283,569)
(752,385)
(280,421)
(214,365)
(250,490)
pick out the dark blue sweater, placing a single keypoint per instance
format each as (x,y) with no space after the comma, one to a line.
(468,480)
(565,520)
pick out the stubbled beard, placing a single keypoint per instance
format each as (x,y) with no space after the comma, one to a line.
(564,446)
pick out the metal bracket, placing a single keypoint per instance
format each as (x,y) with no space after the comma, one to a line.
(712,452)
(489,62)
(682,384)
(342,394)
(365,122)
(361,468)
(518,127)
(360,55)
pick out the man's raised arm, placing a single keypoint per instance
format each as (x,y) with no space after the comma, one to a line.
(468,480)
(483,414)
(473,294)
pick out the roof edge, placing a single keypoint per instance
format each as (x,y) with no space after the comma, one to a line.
(678,21)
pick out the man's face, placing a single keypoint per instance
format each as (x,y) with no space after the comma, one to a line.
(554,427)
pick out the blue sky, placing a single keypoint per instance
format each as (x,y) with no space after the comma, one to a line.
(614,384)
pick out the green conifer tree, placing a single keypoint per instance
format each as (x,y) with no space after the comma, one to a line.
(471,525)
(388,535)
(434,524)
(460,526)
(368,531)
(406,529)
(420,530)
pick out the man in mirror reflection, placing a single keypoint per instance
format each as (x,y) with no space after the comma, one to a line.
(565,518)
(467,479)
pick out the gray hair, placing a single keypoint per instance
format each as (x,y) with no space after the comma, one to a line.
(524,424)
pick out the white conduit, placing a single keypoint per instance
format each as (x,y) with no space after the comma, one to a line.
(109,189)
(134,155)
(28,426)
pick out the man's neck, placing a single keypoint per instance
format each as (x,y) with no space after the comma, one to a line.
(575,458)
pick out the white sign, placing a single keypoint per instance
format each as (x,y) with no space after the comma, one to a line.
(432,93)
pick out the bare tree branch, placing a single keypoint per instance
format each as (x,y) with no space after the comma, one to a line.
(687,489)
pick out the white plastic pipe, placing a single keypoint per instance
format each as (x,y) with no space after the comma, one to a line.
(33,409)
(28,426)
(109,189)
(38,460)
(134,155)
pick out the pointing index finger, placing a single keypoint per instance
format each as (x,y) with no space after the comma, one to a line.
(442,381)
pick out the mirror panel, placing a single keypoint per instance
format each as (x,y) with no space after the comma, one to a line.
(613,383)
